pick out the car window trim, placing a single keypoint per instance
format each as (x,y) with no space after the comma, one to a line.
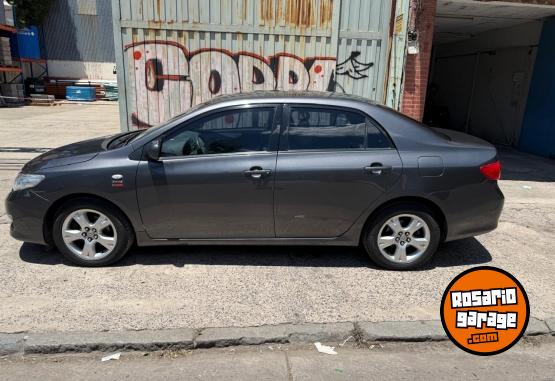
(215,155)
(285,129)
(274,132)
(338,150)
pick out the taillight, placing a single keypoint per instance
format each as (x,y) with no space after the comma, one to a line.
(491,171)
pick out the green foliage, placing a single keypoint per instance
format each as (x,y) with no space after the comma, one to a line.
(30,12)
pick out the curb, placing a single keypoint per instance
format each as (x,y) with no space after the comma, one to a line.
(414,331)
(284,333)
(148,340)
(188,338)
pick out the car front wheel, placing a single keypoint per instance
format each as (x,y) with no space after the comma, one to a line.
(402,237)
(91,233)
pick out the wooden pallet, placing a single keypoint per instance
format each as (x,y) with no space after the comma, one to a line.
(48,104)
(43,100)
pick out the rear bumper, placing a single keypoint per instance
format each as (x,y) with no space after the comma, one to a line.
(473,210)
(27,210)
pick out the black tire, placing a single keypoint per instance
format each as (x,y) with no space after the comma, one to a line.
(372,230)
(125,233)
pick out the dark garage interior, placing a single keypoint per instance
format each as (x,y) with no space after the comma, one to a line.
(487,59)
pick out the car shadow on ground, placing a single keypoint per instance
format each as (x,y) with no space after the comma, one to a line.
(460,253)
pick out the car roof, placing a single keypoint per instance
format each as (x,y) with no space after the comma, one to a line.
(286,96)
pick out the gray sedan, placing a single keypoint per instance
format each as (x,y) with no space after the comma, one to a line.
(267,168)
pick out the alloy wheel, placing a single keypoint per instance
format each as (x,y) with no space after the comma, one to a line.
(89,234)
(404,238)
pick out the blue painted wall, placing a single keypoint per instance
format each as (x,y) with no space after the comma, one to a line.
(538,129)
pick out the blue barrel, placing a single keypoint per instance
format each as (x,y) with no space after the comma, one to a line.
(80,93)
(25,43)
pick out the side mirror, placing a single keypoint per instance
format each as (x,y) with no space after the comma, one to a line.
(152,150)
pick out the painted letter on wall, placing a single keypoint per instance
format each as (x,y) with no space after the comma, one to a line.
(167,79)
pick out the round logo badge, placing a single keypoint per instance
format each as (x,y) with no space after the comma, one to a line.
(485,311)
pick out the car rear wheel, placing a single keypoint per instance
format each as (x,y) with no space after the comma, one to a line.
(92,233)
(402,237)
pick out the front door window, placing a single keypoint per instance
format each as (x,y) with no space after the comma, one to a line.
(244,130)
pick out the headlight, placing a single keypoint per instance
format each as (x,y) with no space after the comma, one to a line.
(26,181)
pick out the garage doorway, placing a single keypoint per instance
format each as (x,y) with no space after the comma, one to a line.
(482,63)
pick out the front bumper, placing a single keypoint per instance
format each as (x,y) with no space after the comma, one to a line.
(27,209)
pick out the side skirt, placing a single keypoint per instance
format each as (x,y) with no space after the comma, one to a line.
(144,240)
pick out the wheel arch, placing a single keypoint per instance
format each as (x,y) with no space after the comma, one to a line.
(51,212)
(432,206)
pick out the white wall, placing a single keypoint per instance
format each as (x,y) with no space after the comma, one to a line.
(82,70)
(500,80)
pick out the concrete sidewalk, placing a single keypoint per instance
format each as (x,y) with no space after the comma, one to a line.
(532,359)
(359,333)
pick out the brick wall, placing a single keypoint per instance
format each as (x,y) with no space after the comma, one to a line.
(417,65)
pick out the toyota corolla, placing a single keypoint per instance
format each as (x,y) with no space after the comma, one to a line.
(266,168)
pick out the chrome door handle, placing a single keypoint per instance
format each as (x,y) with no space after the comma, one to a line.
(257,174)
(377,168)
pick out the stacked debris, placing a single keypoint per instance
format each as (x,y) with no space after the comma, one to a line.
(5,52)
(13,93)
(43,100)
(111,92)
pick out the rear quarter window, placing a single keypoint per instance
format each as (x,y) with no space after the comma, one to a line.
(376,138)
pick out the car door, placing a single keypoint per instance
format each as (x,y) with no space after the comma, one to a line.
(333,164)
(215,177)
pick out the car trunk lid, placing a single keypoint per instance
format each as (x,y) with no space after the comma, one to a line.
(460,138)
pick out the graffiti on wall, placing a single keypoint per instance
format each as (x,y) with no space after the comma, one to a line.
(166,79)
(353,67)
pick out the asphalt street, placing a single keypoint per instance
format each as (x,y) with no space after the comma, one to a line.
(172,287)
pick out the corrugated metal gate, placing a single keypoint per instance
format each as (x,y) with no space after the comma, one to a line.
(73,31)
(174,54)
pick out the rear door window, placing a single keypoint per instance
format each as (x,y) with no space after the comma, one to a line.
(319,128)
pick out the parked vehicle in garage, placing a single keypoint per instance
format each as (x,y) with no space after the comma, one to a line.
(263,168)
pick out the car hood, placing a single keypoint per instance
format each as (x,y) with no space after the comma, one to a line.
(71,154)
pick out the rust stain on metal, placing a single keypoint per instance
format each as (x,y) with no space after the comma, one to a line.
(154,24)
(279,12)
(158,9)
(326,8)
(267,11)
(299,13)
(245,7)
(303,13)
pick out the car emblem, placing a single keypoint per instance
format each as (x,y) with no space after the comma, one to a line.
(117,181)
